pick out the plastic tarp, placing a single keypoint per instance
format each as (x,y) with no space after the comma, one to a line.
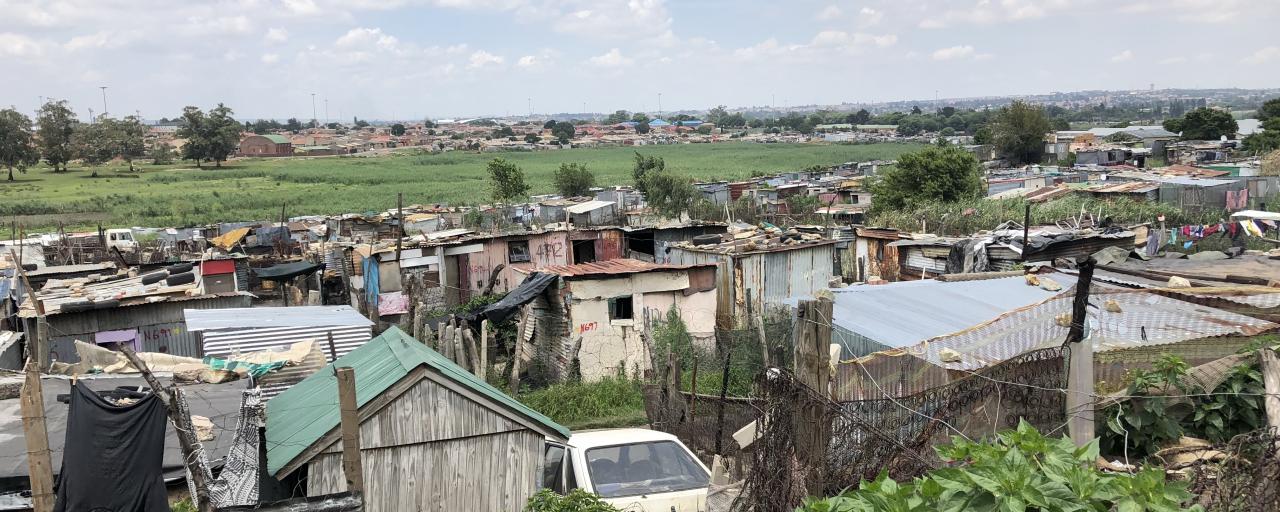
(528,290)
(229,239)
(286,271)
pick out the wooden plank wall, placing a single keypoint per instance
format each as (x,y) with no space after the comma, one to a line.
(488,473)
(424,413)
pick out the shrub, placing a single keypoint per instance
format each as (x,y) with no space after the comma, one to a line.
(576,501)
(1019,470)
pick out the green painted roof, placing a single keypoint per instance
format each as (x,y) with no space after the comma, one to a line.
(278,139)
(304,413)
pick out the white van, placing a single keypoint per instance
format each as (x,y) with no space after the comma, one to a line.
(122,239)
(633,469)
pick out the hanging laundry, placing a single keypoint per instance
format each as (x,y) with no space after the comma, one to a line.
(1186,245)
(113,456)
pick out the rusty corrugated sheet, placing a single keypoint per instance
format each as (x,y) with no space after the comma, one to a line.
(612,267)
(611,245)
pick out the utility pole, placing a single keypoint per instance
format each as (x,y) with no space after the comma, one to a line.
(529,103)
(314,122)
(326,111)
(104,99)
(659,104)
(1080,371)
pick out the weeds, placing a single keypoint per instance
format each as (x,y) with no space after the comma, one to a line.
(610,402)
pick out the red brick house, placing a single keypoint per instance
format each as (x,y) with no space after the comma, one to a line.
(266,145)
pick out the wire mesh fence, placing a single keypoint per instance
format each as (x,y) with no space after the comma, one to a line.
(847,442)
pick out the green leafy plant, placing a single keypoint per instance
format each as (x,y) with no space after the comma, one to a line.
(1019,470)
(577,500)
(1234,407)
(1142,425)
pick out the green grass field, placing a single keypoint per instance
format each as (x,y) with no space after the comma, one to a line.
(254,189)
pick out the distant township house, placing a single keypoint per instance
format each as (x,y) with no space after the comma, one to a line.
(266,145)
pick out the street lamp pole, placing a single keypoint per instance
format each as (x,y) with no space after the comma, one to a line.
(314,122)
(104,99)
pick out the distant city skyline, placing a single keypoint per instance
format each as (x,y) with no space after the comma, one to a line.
(410,59)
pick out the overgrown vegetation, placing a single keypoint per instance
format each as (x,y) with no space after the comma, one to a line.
(577,500)
(961,218)
(1019,470)
(611,402)
(1140,426)
(574,180)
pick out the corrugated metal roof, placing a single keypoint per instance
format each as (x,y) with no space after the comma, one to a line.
(309,410)
(612,267)
(909,312)
(588,206)
(296,316)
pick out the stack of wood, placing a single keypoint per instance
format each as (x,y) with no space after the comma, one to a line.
(455,341)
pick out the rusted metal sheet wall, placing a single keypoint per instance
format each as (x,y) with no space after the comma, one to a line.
(611,245)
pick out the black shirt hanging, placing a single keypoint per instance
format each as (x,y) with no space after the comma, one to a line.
(113,456)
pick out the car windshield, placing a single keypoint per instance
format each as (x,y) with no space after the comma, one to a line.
(643,468)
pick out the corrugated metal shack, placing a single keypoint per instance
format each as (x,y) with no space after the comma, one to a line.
(432,435)
(593,213)
(118,308)
(757,270)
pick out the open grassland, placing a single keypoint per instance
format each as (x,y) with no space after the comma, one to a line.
(255,189)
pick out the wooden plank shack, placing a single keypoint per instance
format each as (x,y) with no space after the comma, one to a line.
(432,435)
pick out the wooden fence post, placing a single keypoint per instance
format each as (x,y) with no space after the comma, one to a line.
(484,349)
(813,369)
(1080,372)
(517,352)
(187,440)
(39,465)
(1270,366)
(350,425)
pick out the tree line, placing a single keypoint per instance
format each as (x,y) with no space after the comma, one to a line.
(58,137)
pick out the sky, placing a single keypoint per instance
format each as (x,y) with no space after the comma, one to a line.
(411,59)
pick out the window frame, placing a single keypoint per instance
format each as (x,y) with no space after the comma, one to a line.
(614,303)
(528,257)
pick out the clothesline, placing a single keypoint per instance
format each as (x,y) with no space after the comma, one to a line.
(1191,233)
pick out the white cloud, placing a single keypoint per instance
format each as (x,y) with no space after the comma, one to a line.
(481,58)
(276,35)
(101,40)
(869,17)
(301,7)
(1124,56)
(954,52)
(527,61)
(270,58)
(929,23)
(829,13)
(611,59)
(640,20)
(367,38)
(1173,60)
(16,45)
(1263,55)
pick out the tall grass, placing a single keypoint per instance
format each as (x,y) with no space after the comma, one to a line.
(970,216)
(610,402)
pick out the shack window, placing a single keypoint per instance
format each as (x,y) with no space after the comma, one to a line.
(620,308)
(518,251)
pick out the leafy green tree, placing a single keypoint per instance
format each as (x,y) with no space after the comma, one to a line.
(57,125)
(642,128)
(532,138)
(564,132)
(397,129)
(1203,124)
(194,130)
(717,115)
(574,180)
(1269,110)
(644,166)
(859,117)
(983,135)
(1018,132)
(504,131)
(162,153)
(937,173)
(129,136)
(95,142)
(17,142)
(293,125)
(1262,142)
(551,123)
(640,117)
(223,136)
(666,193)
(506,180)
(620,116)
(1271,164)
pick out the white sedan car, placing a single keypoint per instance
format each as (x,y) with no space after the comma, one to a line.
(633,469)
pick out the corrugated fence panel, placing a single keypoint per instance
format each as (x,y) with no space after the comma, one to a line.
(225,343)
